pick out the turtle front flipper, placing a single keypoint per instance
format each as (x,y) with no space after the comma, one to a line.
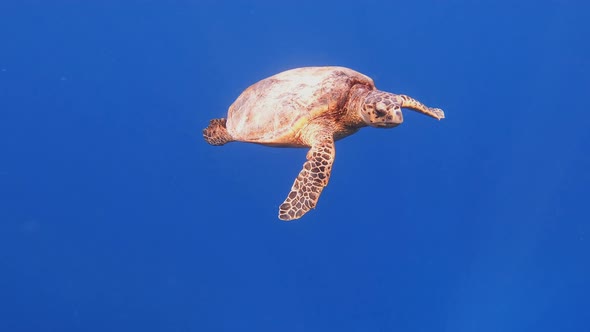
(413,104)
(311,180)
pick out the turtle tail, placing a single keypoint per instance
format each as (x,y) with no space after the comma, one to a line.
(216,133)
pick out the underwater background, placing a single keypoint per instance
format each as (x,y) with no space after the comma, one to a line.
(116,215)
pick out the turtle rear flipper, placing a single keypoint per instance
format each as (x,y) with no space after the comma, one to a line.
(216,133)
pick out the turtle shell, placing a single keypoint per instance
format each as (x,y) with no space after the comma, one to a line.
(273,110)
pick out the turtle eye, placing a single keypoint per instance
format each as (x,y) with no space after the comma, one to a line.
(380,112)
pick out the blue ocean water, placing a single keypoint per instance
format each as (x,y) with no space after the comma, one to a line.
(115,215)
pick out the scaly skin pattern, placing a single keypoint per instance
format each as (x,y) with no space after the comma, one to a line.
(312,179)
(216,133)
(413,104)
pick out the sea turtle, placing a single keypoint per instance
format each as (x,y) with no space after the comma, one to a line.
(310,107)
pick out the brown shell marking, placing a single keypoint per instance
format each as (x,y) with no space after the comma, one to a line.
(273,110)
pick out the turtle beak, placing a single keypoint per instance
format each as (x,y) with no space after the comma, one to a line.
(393,119)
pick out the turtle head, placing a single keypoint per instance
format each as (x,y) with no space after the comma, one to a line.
(381,110)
